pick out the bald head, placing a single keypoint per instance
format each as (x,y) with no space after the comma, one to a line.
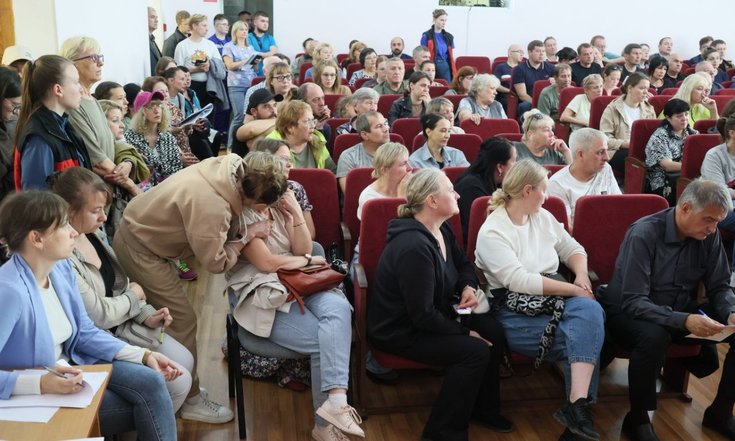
(152,20)
(268,61)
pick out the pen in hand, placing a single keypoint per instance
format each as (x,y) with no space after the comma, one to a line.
(59,374)
(163,324)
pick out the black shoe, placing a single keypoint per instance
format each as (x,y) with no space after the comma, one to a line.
(389,378)
(496,423)
(569,436)
(577,417)
(638,432)
(725,427)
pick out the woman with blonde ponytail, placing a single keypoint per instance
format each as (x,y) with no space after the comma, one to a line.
(422,282)
(518,249)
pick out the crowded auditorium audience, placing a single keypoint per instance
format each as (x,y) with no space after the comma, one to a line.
(109,192)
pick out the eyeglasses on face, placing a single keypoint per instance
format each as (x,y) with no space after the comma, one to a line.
(286,77)
(94,58)
(310,123)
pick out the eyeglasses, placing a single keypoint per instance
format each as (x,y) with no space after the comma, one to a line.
(538,116)
(310,123)
(286,77)
(94,58)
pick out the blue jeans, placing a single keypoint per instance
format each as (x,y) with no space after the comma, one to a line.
(442,70)
(137,399)
(324,332)
(237,104)
(728,224)
(578,338)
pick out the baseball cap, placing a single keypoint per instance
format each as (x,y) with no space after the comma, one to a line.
(144,98)
(262,96)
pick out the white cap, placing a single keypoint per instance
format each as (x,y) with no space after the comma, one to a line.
(15,53)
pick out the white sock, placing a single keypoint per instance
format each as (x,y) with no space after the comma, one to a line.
(338,400)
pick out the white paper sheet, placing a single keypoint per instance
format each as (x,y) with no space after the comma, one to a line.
(81,399)
(726,332)
(28,414)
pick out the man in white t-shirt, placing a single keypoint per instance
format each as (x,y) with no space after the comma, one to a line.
(588,174)
(196,53)
(373,130)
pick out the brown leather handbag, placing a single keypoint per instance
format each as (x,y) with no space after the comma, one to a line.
(303,282)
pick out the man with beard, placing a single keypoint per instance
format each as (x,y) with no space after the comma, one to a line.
(260,39)
(397,45)
(260,120)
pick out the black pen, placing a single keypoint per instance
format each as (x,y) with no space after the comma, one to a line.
(59,374)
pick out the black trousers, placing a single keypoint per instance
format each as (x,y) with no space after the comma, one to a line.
(617,162)
(471,386)
(648,342)
(200,87)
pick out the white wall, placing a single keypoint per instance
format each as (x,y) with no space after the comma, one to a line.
(489,31)
(35,25)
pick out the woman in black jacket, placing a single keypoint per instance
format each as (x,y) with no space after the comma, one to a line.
(420,279)
(10,109)
(485,175)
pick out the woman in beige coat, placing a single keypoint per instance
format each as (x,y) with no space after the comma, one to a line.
(618,118)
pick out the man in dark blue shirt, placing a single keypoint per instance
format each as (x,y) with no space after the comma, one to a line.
(651,301)
(528,72)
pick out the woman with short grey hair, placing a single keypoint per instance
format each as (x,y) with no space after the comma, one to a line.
(480,102)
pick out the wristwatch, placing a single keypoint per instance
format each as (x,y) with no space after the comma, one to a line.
(308,259)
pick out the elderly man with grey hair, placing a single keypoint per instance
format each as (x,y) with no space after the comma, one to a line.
(363,100)
(651,302)
(588,174)
(373,130)
(480,101)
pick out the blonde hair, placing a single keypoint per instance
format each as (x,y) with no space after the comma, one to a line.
(108,105)
(74,47)
(289,115)
(690,83)
(236,26)
(322,46)
(532,120)
(138,123)
(421,185)
(197,18)
(592,79)
(524,172)
(386,155)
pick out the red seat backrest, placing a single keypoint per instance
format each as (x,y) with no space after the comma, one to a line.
(602,240)
(481,64)
(455,99)
(357,180)
(538,86)
(360,82)
(722,101)
(658,102)
(256,80)
(566,96)
(639,134)
(598,105)
(331,101)
(376,214)
(341,58)
(703,125)
(490,127)
(669,91)
(435,91)
(302,71)
(695,147)
(333,124)
(454,173)
(725,92)
(407,128)
(384,103)
(321,188)
(352,68)
(553,168)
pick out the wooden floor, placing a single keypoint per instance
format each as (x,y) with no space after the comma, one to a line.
(275,414)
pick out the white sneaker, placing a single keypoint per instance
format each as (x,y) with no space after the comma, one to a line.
(327,433)
(206,411)
(344,418)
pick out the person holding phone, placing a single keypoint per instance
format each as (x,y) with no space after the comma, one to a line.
(44,321)
(236,54)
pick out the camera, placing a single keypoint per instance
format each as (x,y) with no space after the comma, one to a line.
(339,265)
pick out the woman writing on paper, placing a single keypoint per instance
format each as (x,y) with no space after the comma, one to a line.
(44,320)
